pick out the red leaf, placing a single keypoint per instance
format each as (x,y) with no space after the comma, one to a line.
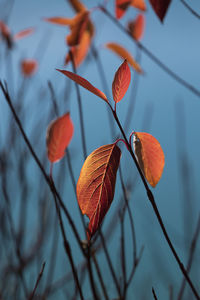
(150,156)
(137,27)
(23,33)
(96,184)
(84,83)
(160,7)
(59,135)
(29,67)
(121,82)
(120,7)
(124,54)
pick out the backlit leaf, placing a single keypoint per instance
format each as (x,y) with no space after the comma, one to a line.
(121,82)
(124,54)
(77,28)
(139,4)
(59,135)
(60,21)
(80,51)
(121,7)
(160,7)
(77,5)
(150,156)
(23,33)
(136,27)
(96,184)
(84,83)
(29,67)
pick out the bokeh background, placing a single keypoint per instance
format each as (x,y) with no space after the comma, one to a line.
(160,106)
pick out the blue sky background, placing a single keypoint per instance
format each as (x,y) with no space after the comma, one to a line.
(176,43)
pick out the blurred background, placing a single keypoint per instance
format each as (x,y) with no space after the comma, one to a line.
(155,103)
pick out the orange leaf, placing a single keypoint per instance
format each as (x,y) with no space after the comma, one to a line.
(120,7)
(121,82)
(124,54)
(137,27)
(78,27)
(150,156)
(139,4)
(84,83)
(29,67)
(23,33)
(77,5)
(160,7)
(80,51)
(59,135)
(96,185)
(60,21)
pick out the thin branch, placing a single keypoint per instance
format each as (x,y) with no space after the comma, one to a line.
(154,206)
(190,9)
(153,57)
(46,177)
(80,110)
(37,282)
(154,294)
(190,259)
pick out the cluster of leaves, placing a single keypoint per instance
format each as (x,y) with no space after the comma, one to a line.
(96,184)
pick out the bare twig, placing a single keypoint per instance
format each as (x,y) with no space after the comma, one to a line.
(37,282)
(190,9)
(190,259)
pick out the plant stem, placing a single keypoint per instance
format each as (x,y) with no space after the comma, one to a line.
(154,206)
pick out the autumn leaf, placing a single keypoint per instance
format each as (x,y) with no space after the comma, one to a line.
(121,82)
(139,4)
(60,21)
(96,184)
(150,156)
(77,5)
(59,135)
(78,27)
(23,33)
(120,7)
(84,83)
(136,27)
(124,54)
(80,51)
(29,67)
(160,7)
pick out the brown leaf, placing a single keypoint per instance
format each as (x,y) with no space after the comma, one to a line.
(136,27)
(160,7)
(96,184)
